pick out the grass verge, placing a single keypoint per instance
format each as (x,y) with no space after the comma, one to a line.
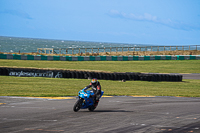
(156,66)
(52,87)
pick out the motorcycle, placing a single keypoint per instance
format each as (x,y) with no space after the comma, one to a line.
(85,100)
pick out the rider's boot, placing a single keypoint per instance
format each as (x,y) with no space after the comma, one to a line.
(96,103)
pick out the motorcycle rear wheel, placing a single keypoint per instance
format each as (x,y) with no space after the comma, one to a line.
(92,108)
(77,105)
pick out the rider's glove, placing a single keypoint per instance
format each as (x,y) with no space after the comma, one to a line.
(85,89)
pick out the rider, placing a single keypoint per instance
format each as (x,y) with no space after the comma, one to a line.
(96,88)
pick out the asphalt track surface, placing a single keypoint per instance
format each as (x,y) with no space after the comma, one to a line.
(191,76)
(185,76)
(113,115)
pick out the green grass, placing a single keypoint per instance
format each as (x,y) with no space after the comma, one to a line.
(35,86)
(157,66)
(40,87)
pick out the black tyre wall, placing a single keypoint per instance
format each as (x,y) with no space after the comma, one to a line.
(4,71)
(98,75)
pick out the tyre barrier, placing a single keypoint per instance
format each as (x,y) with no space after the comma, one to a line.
(29,72)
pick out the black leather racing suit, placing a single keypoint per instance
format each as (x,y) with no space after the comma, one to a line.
(96,89)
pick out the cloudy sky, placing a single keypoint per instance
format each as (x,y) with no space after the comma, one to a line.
(158,22)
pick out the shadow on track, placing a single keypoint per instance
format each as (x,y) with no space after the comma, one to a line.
(111,111)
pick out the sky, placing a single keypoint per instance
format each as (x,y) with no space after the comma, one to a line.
(156,22)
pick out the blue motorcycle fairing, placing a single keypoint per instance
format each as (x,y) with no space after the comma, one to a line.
(87,100)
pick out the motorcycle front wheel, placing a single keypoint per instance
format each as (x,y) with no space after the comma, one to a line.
(77,105)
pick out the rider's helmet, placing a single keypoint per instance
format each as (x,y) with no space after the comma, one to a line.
(94,82)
